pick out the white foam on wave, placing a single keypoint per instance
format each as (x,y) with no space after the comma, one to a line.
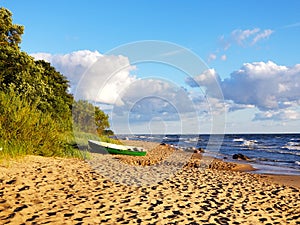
(295,139)
(249,143)
(292,147)
(292,143)
(238,140)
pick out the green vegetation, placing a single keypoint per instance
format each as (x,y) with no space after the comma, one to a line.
(24,129)
(35,106)
(89,118)
(90,123)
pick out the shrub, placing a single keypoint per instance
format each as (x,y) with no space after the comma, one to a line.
(24,129)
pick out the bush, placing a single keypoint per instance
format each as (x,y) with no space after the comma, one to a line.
(24,129)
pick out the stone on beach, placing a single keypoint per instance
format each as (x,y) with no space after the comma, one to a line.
(240,156)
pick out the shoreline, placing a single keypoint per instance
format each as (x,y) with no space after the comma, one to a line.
(259,147)
(240,166)
(247,166)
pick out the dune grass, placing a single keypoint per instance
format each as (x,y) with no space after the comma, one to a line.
(25,130)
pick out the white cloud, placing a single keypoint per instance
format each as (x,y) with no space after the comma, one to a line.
(272,88)
(283,115)
(93,76)
(212,57)
(107,79)
(209,79)
(159,102)
(240,36)
(265,85)
(262,35)
(245,38)
(224,57)
(149,98)
(225,43)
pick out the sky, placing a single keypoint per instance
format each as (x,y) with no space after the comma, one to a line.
(174,66)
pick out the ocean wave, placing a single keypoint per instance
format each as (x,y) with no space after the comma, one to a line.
(293,143)
(238,140)
(245,143)
(249,143)
(297,162)
(295,139)
(287,152)
(291,147)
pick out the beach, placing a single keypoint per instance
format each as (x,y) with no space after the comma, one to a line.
(40,190)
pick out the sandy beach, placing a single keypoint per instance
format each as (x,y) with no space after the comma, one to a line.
(39,190)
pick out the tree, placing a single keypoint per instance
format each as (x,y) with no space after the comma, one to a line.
(9,33)
(83,116)
(39,83)
(101,121)
(89,118)
(36,81)
(56,97)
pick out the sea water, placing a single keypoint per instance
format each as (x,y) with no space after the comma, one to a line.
(269,153)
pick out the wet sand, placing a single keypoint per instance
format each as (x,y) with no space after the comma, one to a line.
(39,190)
(289,180)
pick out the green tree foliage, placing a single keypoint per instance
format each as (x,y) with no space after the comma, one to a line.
(10,33)
(89,118)
(83,116)
(34,80)
(101,121)
(35,106)
(54,91)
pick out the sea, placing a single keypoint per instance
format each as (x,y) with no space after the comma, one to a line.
(268,153)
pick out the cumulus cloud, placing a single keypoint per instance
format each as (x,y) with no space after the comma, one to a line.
(209,79)
(108,79)
(159,102)
(93,76)
(265,85)
(272,88)
(72,65)
(155,98)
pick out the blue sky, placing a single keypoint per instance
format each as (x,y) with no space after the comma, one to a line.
(245,44)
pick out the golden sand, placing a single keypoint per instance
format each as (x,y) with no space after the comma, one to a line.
(39,190)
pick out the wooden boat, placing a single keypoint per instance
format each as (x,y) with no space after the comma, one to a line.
(98,146)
